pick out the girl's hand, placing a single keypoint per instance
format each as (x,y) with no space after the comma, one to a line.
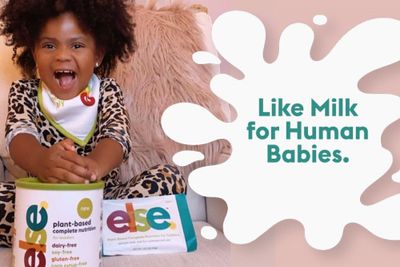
(61,164)
(93,167)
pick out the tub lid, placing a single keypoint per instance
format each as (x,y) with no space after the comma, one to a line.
(34,183)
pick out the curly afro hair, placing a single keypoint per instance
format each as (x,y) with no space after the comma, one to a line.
(108,21)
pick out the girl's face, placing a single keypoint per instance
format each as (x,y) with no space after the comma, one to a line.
(65,56)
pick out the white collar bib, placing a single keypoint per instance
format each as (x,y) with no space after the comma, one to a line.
(75,118)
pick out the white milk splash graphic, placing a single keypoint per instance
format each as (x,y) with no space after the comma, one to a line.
(279,168)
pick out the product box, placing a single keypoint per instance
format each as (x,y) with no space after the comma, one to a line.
(147,226)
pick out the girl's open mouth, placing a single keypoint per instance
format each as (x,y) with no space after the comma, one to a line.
(65,78)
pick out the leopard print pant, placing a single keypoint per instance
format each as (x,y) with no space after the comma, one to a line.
(156,181)
(7,203)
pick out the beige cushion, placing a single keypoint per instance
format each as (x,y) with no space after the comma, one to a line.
(162,73)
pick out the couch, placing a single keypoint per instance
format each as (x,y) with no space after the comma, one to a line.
(160,74)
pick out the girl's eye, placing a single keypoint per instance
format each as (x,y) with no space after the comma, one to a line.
(48,46)
(77,46)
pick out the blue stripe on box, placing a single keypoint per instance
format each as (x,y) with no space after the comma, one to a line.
(187,224)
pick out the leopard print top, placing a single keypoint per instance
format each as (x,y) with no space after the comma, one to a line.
(25,116)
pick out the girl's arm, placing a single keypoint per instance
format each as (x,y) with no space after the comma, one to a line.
(115,143)
(107,155)
(56,164)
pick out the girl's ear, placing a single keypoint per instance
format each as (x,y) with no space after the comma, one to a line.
(99,56)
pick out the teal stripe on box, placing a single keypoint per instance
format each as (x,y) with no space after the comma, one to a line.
(187,224)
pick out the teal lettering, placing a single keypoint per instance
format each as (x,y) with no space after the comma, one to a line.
(32,218)
(158,214)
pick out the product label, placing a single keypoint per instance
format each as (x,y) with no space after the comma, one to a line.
(147,225)
(55,228)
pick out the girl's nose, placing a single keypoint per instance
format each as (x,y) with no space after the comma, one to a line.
(63,53)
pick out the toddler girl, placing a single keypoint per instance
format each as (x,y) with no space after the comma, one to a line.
(66,122)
